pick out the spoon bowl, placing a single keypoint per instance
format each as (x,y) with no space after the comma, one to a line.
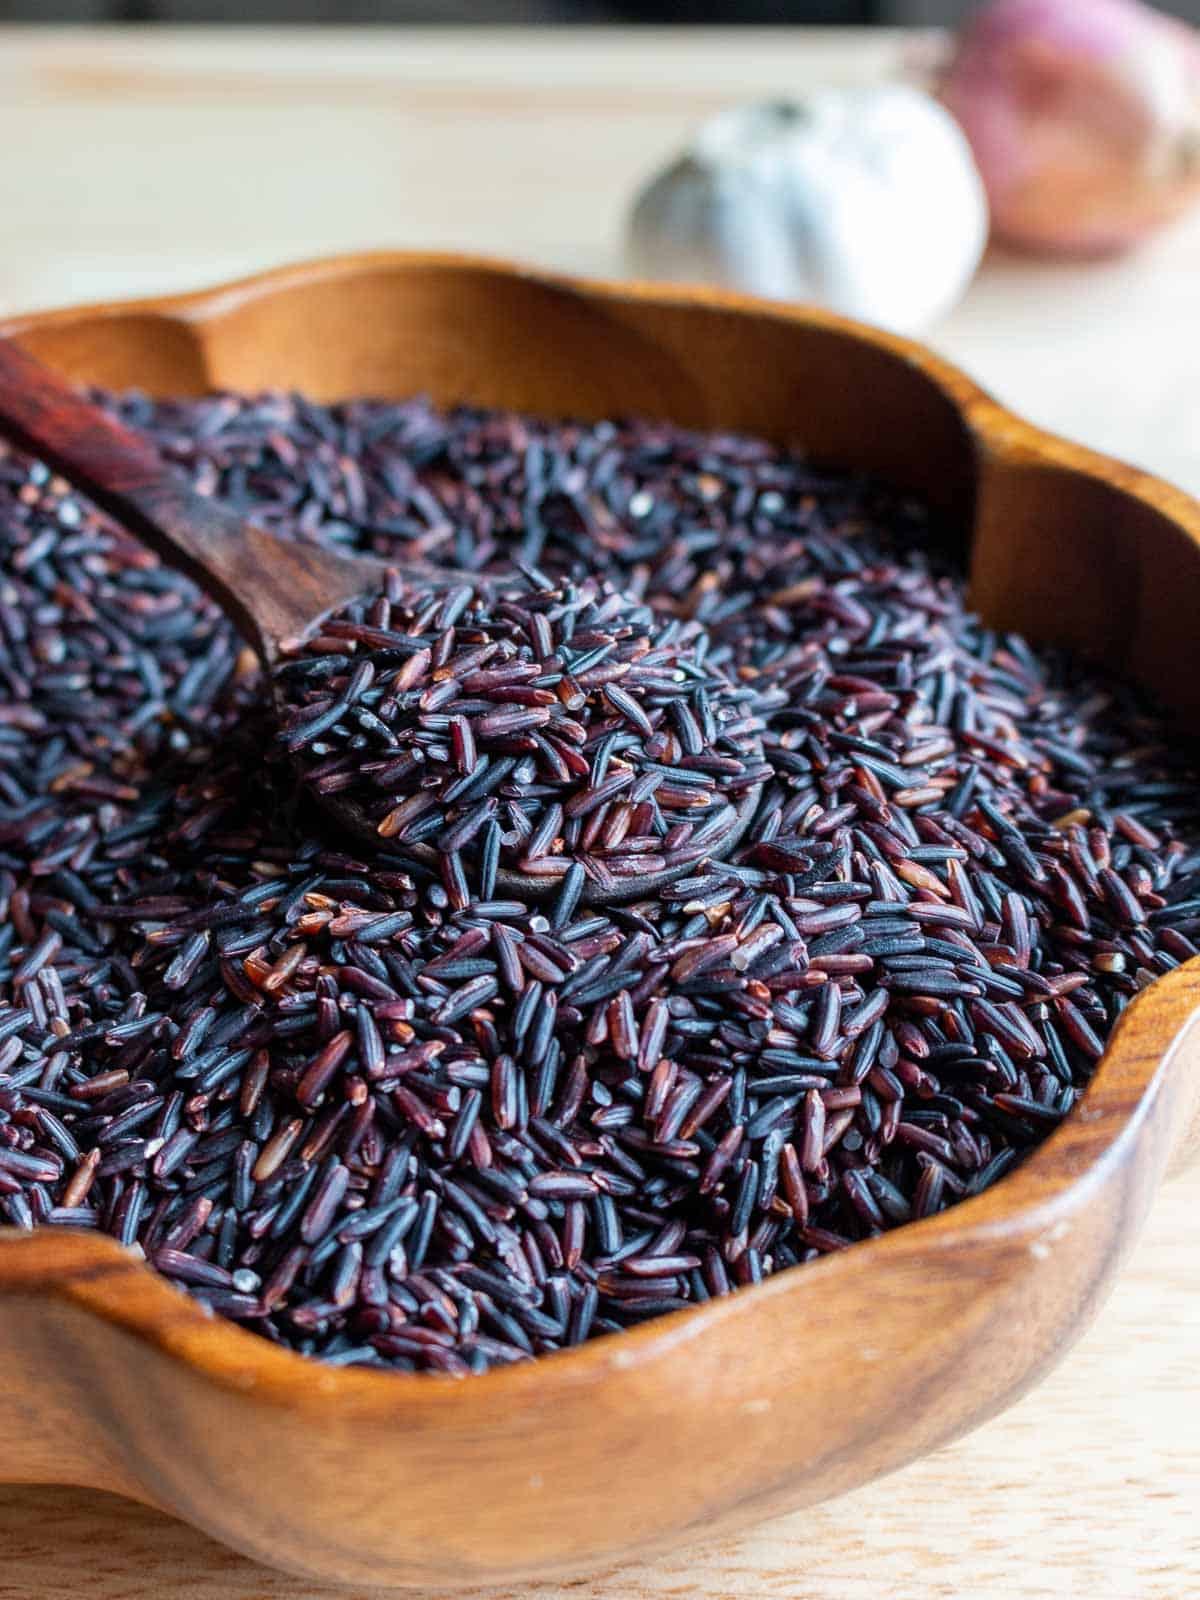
(275,590)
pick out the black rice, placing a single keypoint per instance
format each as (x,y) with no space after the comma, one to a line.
(389,1105)
(528,729)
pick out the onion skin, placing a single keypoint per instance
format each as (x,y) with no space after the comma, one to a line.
(1084,119)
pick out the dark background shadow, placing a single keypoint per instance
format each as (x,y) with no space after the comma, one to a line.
(923,13)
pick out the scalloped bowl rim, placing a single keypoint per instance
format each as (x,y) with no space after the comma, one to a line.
(94,1271)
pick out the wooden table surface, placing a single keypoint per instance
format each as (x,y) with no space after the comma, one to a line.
(137,162)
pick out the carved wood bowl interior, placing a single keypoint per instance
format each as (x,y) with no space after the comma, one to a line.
(786,1393)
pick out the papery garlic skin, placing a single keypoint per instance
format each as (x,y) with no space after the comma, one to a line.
(1084,117)
(864,200)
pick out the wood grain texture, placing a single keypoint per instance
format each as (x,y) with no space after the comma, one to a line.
(719,1416)
(1087,1487)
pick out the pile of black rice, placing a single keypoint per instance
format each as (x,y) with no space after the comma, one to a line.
(364,1103)
(561,733)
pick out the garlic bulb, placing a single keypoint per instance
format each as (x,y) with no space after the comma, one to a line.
(865,200)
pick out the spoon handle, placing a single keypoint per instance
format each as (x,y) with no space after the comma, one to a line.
(271,588)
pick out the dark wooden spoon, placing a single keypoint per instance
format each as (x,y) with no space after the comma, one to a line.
(272,589)
(275,590)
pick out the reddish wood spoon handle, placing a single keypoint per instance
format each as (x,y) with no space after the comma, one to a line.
(272,588)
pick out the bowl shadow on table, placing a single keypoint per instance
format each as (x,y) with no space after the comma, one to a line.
(135,1550)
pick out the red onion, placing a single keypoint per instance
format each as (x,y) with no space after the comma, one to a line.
(1084,119)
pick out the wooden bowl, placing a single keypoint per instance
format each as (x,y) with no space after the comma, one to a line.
(820,1378)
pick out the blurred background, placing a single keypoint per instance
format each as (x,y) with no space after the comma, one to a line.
(1016,180)
(919,13)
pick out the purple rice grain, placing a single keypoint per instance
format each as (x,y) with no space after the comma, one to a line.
(398,1114)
